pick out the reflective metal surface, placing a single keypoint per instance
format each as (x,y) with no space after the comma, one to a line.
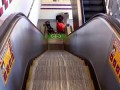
(94,42)
(27,43)
(60,70)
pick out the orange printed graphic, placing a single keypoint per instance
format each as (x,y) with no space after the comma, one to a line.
(115,58)
(6,61)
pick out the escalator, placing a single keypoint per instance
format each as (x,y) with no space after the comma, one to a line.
(57,69)
(60,70)
(93,7)
(80,62)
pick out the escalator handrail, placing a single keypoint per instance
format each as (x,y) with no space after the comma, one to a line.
(111,20)
(83,13)
(104,6)
(9,22)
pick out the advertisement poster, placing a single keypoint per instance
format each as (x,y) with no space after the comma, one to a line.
(115,58)
(6,61)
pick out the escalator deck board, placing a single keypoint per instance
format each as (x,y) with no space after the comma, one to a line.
(60,70)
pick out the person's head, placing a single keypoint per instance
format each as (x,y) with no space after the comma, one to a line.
(60,18)
(47,22)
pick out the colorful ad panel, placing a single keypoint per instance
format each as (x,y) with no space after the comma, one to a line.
(6,61)
(114,58)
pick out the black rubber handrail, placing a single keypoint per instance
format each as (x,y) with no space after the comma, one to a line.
(82,11)
(111,20)
(9,22)
(104,6)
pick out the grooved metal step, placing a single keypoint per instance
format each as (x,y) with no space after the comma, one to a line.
(55,47)
(92,2)
(92,7)
(60,70)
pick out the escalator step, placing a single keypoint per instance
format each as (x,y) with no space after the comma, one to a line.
(94,8)
(91,2)
(60,70)
(89,15)
(93,12)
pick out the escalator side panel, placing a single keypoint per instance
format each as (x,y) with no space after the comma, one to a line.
(94,42)
(27,43)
